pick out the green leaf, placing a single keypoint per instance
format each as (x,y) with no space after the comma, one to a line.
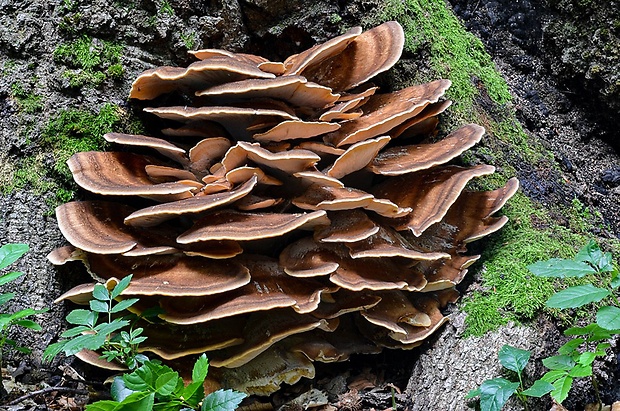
(121,286)
(83,342)
(560,268)
(9,253)
(166,383)
(99,306)
(559,362)
(223,400)
(608,318)
(201,367)
(6,297)
(105,405)
(538,389)
(173,405)
(513,358)
(101,293)
(72,332)
(591,253)
(109,328)
(29,324)
(577,296)
(138,401)
(571,346)
(118,389)
(194,393)
(561,388)
(554,375)
(53,350)
(587,358)
(615,281)
(123,305)
(473,393)
(25,313)
(8,277)
(141,379)
(82,317)
(580,371)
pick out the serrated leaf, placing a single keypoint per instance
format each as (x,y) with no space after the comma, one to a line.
(123,305)
(561,388)
(8,277)
(83,342)
(559,362)
(9,253)
(173,405)
(560,268)
(105,405)
(571,346)
(82,317)
(514,359)
(101,293)
(53,350)
(25,313)
(580,371)
(118,389)
(194,393)
(98,306)
(138,401)
(577,296)
(120,287)
(72,332)
(553,376)
(141,379)
(608,318)
(587,358)
(109,328)
(538,389)
(222,400)
(166,383)
(201,368)
(592,254)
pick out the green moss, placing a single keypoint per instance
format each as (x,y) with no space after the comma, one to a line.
(189,40)
(90,61)
(165,8)
(29,102)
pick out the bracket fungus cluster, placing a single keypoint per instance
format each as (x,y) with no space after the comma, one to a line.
(288,213)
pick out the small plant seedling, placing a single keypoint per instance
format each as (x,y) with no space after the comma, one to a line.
(494,393)
(108,335)
(9,253)
(574,360)
(150,385)
(157,386)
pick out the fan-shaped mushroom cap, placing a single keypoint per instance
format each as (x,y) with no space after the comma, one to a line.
(110,173)
(269,288)
(262,330)
(233,225)
(295,129)
(201,74)
(213,249)
(162,146)
(443,274)
(395,310)
(369,54)
(431,192)
(171,275)
(97,227)
(154,215)
(235,119)
(316,55)
(306,258)
(388,243)
(407,159)
(357,157)
(62,255)
(203,154)
(161,174)
(342,110)
(290,162)
(295,90)
(94,358)
(320,148)
(383,112)
(273,67)
(253,202)
(204,54)
(316,177)
(418,124)
(332,198)
(243,174)
(346,227)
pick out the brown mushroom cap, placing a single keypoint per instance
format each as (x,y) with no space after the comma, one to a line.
(295,90)
(295,129)
(394,311)
(407,159)
(290,161)
(316,55)
(346,227)
(204,154)
(171,275)
(161,174)
(269,288)
(316,177)
(162,146)
(154,215)
(383,112)
(204,54)
(370,53)
(332,198)
(110,173)
(233,225)
(201,74)
(357,157)
(431,192)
